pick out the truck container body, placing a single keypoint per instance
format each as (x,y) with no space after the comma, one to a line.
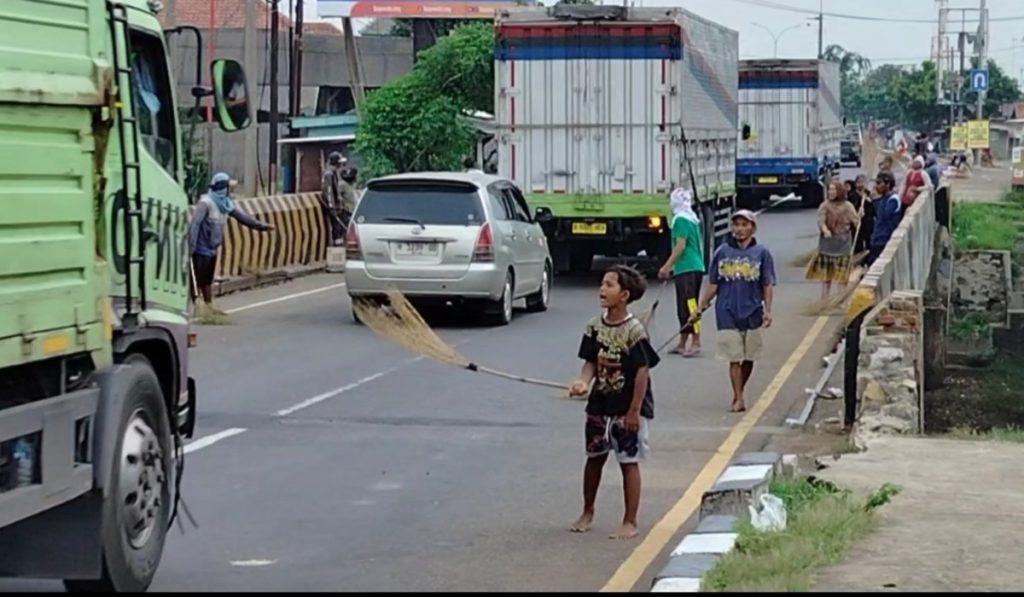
(593,104)
(94,294)
(792,126)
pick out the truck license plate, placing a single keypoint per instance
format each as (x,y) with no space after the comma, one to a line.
(589,228)
(768,179)
(417,249)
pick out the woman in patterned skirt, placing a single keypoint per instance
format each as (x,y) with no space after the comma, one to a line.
(837,221)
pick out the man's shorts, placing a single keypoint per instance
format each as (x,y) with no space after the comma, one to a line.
(736,346)
(606,434)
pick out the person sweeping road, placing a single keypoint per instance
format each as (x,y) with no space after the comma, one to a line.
(837,225)
(206,232)
(617,359)
(685,265)
(742,278)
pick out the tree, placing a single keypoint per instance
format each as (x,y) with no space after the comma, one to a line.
(852,66)
(416,123)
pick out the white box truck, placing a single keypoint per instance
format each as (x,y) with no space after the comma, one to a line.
(602,110)
(792,126)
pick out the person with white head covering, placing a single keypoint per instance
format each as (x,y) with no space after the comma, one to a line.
(916,181)
(685,265)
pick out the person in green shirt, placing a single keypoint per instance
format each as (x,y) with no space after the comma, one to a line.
(686,266)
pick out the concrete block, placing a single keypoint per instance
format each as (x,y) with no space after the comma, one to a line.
(716,524)
(732,498)
(710,543)
(688,566)
(677,585)
(791,465)
(755,458)
(754,472)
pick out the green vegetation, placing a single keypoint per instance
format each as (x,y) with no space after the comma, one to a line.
(972,325)
(823,522)
(874,93)
(416,123)
(1012,434)
(989,226)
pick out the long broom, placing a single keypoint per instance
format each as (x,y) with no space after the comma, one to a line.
(401,323)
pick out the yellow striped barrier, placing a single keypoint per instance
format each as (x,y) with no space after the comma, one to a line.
(299,239)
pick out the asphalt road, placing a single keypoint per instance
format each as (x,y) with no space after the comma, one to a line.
(326,459)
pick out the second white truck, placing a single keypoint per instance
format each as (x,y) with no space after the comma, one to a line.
(791,129)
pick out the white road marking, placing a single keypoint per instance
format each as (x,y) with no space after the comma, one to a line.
(386,486)
(253,563)
(209,440)
(335,392)
(282,299)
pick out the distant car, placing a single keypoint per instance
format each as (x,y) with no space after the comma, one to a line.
(850,152)
(448,237)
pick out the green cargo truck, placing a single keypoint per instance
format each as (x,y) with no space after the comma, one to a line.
(95,398)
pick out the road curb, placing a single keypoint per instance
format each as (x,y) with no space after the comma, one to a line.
(722,507)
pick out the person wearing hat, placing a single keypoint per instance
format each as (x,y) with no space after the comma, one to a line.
(888,209)
(741,277)
(206,231)
(339,198)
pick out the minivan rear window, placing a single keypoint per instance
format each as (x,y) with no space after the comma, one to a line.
(450,204)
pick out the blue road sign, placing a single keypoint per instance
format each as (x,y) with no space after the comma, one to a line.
(979,79)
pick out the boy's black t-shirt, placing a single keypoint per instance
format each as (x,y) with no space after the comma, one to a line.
(618,352)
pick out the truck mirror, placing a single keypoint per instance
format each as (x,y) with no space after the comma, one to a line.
(746,132)
(230,94)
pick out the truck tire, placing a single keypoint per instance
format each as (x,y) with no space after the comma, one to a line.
(137,512)
(811,194)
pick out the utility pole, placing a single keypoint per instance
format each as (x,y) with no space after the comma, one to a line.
(821,29)
(355,76)
(252,66)
(940,51)
(275,22)
(297,62)
(982,45)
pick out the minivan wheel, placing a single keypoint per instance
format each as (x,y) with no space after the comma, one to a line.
(500,311)
(538,301)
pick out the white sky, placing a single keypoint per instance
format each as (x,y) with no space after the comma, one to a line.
(882,40)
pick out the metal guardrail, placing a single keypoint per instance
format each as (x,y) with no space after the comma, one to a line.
(905,264)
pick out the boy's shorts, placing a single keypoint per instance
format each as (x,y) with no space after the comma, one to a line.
(606,434)
(737,346)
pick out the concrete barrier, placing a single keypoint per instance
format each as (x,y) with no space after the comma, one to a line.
(298,243)
(890,332)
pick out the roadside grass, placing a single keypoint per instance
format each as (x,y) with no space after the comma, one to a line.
(988,226)
(1011,434)
(823,522)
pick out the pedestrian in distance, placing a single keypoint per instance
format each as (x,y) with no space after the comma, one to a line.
(741,280)
(888,213)
(339,200)
(206,231)
(617,359)
(469,165)
(685,265)
(837,224)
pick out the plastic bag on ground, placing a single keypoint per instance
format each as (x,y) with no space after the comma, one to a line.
(771,517)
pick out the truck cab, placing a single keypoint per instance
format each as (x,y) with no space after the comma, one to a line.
(94,289)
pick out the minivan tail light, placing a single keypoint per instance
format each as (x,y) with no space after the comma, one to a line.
(484,251)
(353,251)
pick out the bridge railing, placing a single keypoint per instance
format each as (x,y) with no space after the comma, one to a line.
(904,265)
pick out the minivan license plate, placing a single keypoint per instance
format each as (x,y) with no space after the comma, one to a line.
(417,249)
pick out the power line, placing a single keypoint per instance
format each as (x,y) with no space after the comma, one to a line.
(836,15)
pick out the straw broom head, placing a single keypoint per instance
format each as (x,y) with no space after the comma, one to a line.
(829,305)
(401,323)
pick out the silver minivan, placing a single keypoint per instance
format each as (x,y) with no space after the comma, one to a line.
(448,237)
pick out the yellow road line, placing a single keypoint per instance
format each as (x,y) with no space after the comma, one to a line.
(644,555)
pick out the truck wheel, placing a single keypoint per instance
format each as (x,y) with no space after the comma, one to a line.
(538,301)
(137,511)
(811,195)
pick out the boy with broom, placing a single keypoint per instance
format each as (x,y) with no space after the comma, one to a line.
(617,357)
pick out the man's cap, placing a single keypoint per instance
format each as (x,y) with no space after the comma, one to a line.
(745,214)
(336,158)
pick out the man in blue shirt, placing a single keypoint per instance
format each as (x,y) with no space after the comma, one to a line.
(742,277)
(888,213)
